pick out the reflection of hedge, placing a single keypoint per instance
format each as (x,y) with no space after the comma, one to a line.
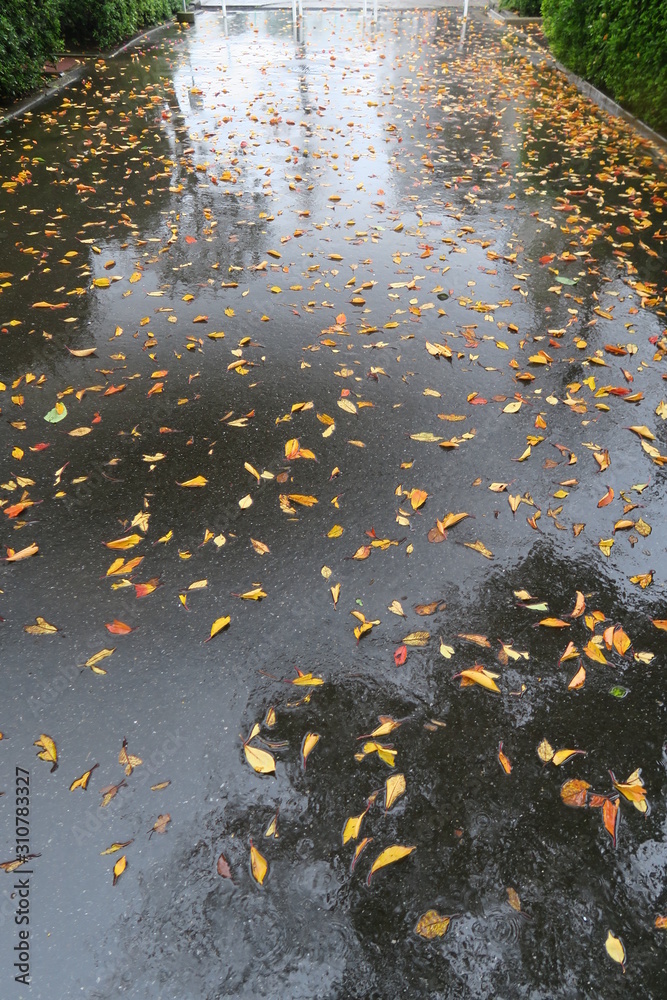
(104,22)
(28,37)
(619,45)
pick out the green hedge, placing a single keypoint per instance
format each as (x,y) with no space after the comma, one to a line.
(31,31)
(103,23)
(524,8)
(29,35)
(618,45)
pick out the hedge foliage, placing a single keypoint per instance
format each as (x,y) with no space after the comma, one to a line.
(620,46)
(524,8)
(31,31)
(103,23)
(29,35)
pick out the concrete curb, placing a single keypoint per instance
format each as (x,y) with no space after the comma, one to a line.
(608,104)
(28,103)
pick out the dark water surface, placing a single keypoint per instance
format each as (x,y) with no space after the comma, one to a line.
(488,208)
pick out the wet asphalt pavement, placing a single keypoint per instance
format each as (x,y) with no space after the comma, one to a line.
(436,269)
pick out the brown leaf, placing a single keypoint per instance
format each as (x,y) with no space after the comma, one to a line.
(222,866)
(160,824)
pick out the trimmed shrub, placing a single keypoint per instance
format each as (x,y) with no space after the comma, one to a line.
(524,8)
(29,35)
(618,45)
(103,23)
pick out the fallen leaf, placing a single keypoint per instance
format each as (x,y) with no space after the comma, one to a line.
(388,857)
(431,925)
(615,949)
(394,788)
(48,751)
(222,867)
(119,868)
(41,627)
(218,625)
(309,743)
(258,865)
(82,782)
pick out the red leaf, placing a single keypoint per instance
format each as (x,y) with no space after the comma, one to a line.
(400,655)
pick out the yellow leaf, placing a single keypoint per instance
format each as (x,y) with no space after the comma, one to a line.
(632,789)
(396,609)
(545,751)
(593,652)
(119,868)
(388,857)
(101,282)
(259,547)
(615,948)
(643,432)
(335,532)
(309,743)
(554,623)
(449,520)
(512,407)
(197,481)
(218,625)
(116,847)
(253,595)
(41,627)
(417,639)
(563,755)
(425,437)
(352,827)
(479,547)
(481,677)
(346,405)
(303,499)
(394,788)
(258,865)
(307,680)
(335,593)
(48,751)
(260,760)
(82,782)
(124,543)
(97,658)
(431,925)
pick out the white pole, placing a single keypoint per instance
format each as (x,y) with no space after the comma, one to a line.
(465,10)
(224,8)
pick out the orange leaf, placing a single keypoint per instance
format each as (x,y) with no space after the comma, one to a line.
(574,792)
(118,628)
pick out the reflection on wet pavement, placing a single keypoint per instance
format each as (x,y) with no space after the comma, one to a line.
(326,268)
